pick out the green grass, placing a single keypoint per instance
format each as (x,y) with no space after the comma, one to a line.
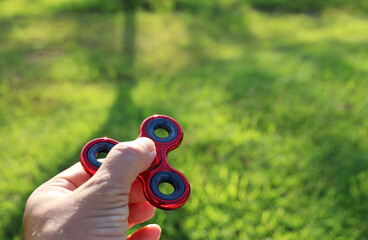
(273,108)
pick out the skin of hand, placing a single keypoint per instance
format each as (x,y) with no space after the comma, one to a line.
(74,205)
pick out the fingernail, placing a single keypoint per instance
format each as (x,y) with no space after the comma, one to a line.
(153,225)
(148,144)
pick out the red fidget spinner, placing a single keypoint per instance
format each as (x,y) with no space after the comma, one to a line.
(160,170)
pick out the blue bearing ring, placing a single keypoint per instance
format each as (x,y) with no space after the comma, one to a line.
(168,177)
(163,123)
(97,148)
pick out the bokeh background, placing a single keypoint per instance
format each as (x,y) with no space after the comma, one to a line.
(271,94)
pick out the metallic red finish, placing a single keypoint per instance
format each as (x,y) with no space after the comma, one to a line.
(162,150)
(159,164)
(88,167)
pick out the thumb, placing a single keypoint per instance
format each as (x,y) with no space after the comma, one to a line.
(123,164)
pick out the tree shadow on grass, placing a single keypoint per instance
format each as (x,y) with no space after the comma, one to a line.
(125,117)
(123,113)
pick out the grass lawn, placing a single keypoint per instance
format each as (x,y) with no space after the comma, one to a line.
(274,109)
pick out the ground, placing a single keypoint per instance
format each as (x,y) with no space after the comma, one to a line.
(273,108)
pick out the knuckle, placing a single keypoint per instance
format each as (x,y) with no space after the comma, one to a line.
(129,151)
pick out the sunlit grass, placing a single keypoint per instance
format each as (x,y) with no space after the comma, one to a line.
(273,108)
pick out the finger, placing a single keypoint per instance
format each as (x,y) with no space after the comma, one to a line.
(124,162)
(149,232)
(136,193)
(140,212)
(71,178)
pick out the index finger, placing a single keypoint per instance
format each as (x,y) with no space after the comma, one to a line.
(74,176)
(136,193)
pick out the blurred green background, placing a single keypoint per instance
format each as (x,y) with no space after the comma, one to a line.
(272,97)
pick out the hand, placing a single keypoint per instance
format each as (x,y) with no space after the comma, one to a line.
(73,205)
